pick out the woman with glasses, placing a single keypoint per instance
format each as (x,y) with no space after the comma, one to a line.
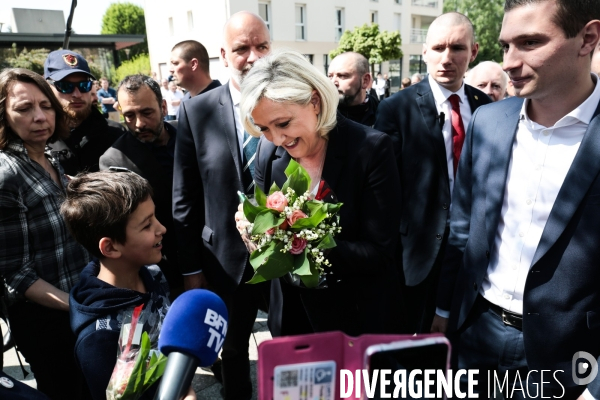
(39,259)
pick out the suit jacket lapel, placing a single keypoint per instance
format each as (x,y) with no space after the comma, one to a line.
(282,159)
(428,108)
(229,129)
(502,139)
(581,175)
(474,99)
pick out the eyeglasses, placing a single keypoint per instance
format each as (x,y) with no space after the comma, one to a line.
(69,87)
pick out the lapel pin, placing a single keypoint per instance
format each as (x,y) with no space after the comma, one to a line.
(476,98)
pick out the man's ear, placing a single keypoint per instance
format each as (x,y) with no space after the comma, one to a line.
(163,108)
(194,64)
(367,80)
(223,54)
(590,35)
(108,249)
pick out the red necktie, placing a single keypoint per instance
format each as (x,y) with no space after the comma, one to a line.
(458,130)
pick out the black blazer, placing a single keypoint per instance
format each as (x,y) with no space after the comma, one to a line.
(207,176)
(410,117)
(360,169)
(130,153)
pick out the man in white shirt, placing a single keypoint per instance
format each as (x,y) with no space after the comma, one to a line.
(427,122)
(173,98)
(521,269)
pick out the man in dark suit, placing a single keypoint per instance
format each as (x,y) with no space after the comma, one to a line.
(213,160)
(521,270)
(148,150)
(427,126)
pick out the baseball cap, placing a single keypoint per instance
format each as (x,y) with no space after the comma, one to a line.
(62,63)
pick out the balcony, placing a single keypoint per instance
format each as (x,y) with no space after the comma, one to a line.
(418,35)
(425,3)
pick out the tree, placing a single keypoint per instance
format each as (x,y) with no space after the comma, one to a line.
(126,18)
(138,65)
(32,60)
(367,40)
(486,16)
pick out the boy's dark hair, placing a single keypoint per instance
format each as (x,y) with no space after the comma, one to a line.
(571,16)
(98,205)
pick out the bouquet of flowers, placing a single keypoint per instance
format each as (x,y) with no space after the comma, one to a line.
(138,364)
(292,230)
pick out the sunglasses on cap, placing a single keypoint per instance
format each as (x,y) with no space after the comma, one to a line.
(69,87)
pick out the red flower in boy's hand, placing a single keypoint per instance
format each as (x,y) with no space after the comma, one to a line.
(277,201)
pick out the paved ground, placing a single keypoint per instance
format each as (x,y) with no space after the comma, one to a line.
(205,385)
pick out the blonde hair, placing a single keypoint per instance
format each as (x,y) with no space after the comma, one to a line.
(286,76)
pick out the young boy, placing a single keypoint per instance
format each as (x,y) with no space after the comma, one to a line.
(112,215)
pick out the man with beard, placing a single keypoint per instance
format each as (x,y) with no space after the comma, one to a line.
(213,160)
(349,72)
(69,76)
(148,150)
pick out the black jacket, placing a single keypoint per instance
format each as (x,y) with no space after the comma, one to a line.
(81,151)
(363,113)
(96,312)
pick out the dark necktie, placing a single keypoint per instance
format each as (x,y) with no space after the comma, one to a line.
(458,130)
(250,143)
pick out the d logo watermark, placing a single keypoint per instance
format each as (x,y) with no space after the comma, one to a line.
(580,368)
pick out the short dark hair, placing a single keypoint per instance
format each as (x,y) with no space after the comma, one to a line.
(8,78)
(99,204)
(189,49)
(133,83)
(571,16)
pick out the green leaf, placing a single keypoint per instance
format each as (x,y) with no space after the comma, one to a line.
(133,385)
(292,167)
(251,211)
(327,242)
(318,215)
(155,370)
(312,280)
(299,180)
(274,188)
(274,266)
(265,220)
(302,264)
(257,258)
(333,208)
(259,195)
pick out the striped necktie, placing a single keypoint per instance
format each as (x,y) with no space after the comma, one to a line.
(250,143)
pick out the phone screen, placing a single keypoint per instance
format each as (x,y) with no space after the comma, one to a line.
(418,355)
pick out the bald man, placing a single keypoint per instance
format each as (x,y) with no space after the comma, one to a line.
(210,158)
(427,122)
(350,74)
(490,78)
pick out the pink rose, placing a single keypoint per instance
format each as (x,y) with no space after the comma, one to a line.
(296,215)
(277,201)
(298,245)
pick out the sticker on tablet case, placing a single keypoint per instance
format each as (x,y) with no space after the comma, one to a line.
(307,381)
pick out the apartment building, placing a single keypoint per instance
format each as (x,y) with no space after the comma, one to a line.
(312,27)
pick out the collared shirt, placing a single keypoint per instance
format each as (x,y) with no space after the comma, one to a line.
(236,96)
(441,95)
(541,159)
(35,242)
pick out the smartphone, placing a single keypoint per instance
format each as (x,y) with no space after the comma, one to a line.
(432,353)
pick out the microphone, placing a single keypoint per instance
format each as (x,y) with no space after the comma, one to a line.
(192,335)
(442,119)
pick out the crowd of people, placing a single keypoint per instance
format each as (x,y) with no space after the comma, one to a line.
(469,197)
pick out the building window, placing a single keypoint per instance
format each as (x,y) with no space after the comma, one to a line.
(395,74)
(326,61)
(309,57)
(190,19)
(300,21)
(398,18)
(264,10)
(415,64)
(374,17)
(399,2)
(171,26)
(339,23)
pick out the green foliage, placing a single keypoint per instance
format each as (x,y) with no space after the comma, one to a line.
(486,16)
(29,59)
(138,65)
(125,18)
(367,40)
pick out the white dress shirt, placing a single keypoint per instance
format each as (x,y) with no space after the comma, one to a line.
(235,98)
(541,158)
(441,95)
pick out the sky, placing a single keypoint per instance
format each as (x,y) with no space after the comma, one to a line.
(88,13)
